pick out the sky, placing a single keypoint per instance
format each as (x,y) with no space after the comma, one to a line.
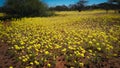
(67,2)
(64,2)
(2,2)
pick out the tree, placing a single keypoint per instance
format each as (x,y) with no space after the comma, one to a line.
(59,8)
(117,1)
(80,5)
(72,7)
(105,6)
(116,4)
(25,8)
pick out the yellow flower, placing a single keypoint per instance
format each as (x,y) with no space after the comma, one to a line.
(11,67)
(115,55)
(46,52)
(20,57)
(25,60)
(36,62)
(88,57)
(22,47)
(83,51)
(70,47)
(89,36)
(99,48)
(22,43)
(81,64)
(49,65)
(28,67)
(16,47)
(90,42)
(111,47)
(97,44)
(75,61)
(94,40)
(31,63)
(64,49)
(37,50)
(90,51)
(57,46)
(82,55)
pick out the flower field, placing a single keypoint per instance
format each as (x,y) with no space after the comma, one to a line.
(81,38)
(1,14)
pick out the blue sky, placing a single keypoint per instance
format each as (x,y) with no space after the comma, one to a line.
(1,2)
(63,2)
(67,2)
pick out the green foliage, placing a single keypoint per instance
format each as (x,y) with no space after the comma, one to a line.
(80,5)
(25,8)
(117,2)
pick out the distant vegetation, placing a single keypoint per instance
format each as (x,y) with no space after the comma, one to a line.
(82,5)
(25,8)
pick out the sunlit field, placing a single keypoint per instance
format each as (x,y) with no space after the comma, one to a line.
(1,14)
(82,38)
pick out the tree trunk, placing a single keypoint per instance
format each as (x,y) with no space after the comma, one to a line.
(116,11)
(106,11)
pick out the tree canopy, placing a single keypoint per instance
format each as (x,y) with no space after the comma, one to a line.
(25,8)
